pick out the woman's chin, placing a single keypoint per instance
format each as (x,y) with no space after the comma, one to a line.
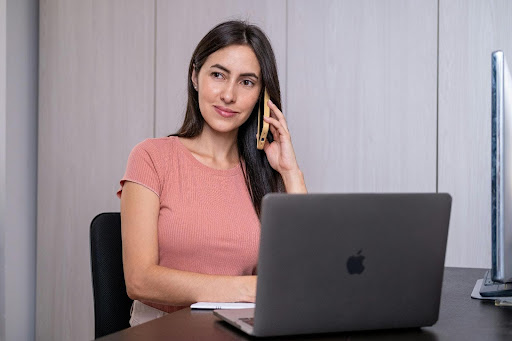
(223,127)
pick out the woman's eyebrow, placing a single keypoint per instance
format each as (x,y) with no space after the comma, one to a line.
(250,74)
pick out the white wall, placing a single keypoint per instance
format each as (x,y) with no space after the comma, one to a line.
(362,94)
(469,31)
(19,65)
(3,150)
(96,102)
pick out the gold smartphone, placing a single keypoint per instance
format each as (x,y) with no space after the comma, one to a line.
(261,136)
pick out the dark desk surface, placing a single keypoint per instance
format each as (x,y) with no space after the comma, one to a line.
(460,318)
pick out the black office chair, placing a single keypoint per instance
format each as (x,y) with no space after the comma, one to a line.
(111,303)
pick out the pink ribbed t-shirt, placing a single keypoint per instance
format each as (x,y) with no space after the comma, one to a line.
(207,223)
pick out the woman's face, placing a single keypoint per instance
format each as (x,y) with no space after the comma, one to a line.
(228,85)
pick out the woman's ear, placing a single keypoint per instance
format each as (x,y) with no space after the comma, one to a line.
(194,77)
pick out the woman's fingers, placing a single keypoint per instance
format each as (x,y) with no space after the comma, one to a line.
(274,132)
(278,114)
(278,127)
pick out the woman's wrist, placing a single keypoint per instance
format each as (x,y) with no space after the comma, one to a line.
(247,288)
(294,181)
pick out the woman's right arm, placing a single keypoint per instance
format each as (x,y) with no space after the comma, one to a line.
(146,280)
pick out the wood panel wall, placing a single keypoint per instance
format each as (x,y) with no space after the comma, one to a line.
(96,103)
(362,94)
(469,31)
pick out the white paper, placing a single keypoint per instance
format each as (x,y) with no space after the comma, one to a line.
(222,305)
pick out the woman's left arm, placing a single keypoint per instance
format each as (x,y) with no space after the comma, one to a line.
(280,153)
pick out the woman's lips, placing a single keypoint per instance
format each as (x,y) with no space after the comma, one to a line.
(223,113)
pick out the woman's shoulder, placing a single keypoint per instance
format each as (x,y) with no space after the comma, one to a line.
(159,150)
(158,145)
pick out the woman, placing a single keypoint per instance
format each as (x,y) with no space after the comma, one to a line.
(190,202)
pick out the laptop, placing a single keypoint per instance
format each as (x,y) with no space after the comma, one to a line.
(347,262)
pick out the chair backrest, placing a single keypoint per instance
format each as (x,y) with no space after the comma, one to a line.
(111,302)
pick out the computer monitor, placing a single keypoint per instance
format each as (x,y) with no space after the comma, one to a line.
(495,281)
(501,202)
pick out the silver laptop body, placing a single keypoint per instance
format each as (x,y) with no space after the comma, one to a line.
(347,262)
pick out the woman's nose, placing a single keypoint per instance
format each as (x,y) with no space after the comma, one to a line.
(228,93)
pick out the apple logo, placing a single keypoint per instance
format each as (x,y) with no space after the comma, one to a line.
(355,263)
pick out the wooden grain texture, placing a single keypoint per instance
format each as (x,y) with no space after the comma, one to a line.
(362,94)
(469,32)
(96,103)
(180,27)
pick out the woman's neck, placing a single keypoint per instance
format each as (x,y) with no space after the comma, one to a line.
(214,149)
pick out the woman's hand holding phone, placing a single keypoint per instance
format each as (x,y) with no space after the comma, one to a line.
(280,153)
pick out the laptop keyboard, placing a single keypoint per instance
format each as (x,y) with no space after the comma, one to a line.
(248,320)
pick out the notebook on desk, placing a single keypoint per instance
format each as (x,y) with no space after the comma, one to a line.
(347,262)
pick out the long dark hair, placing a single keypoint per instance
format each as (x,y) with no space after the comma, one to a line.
(260,177)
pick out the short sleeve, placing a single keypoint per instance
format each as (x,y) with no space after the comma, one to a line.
(142,168)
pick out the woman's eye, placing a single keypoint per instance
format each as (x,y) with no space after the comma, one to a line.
(248,82)
(217,75)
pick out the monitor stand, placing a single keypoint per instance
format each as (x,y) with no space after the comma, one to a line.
(494,289)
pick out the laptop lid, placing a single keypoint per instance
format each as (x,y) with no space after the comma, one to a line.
(345,262)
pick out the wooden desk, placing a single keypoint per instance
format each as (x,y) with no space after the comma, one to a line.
(460,318)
